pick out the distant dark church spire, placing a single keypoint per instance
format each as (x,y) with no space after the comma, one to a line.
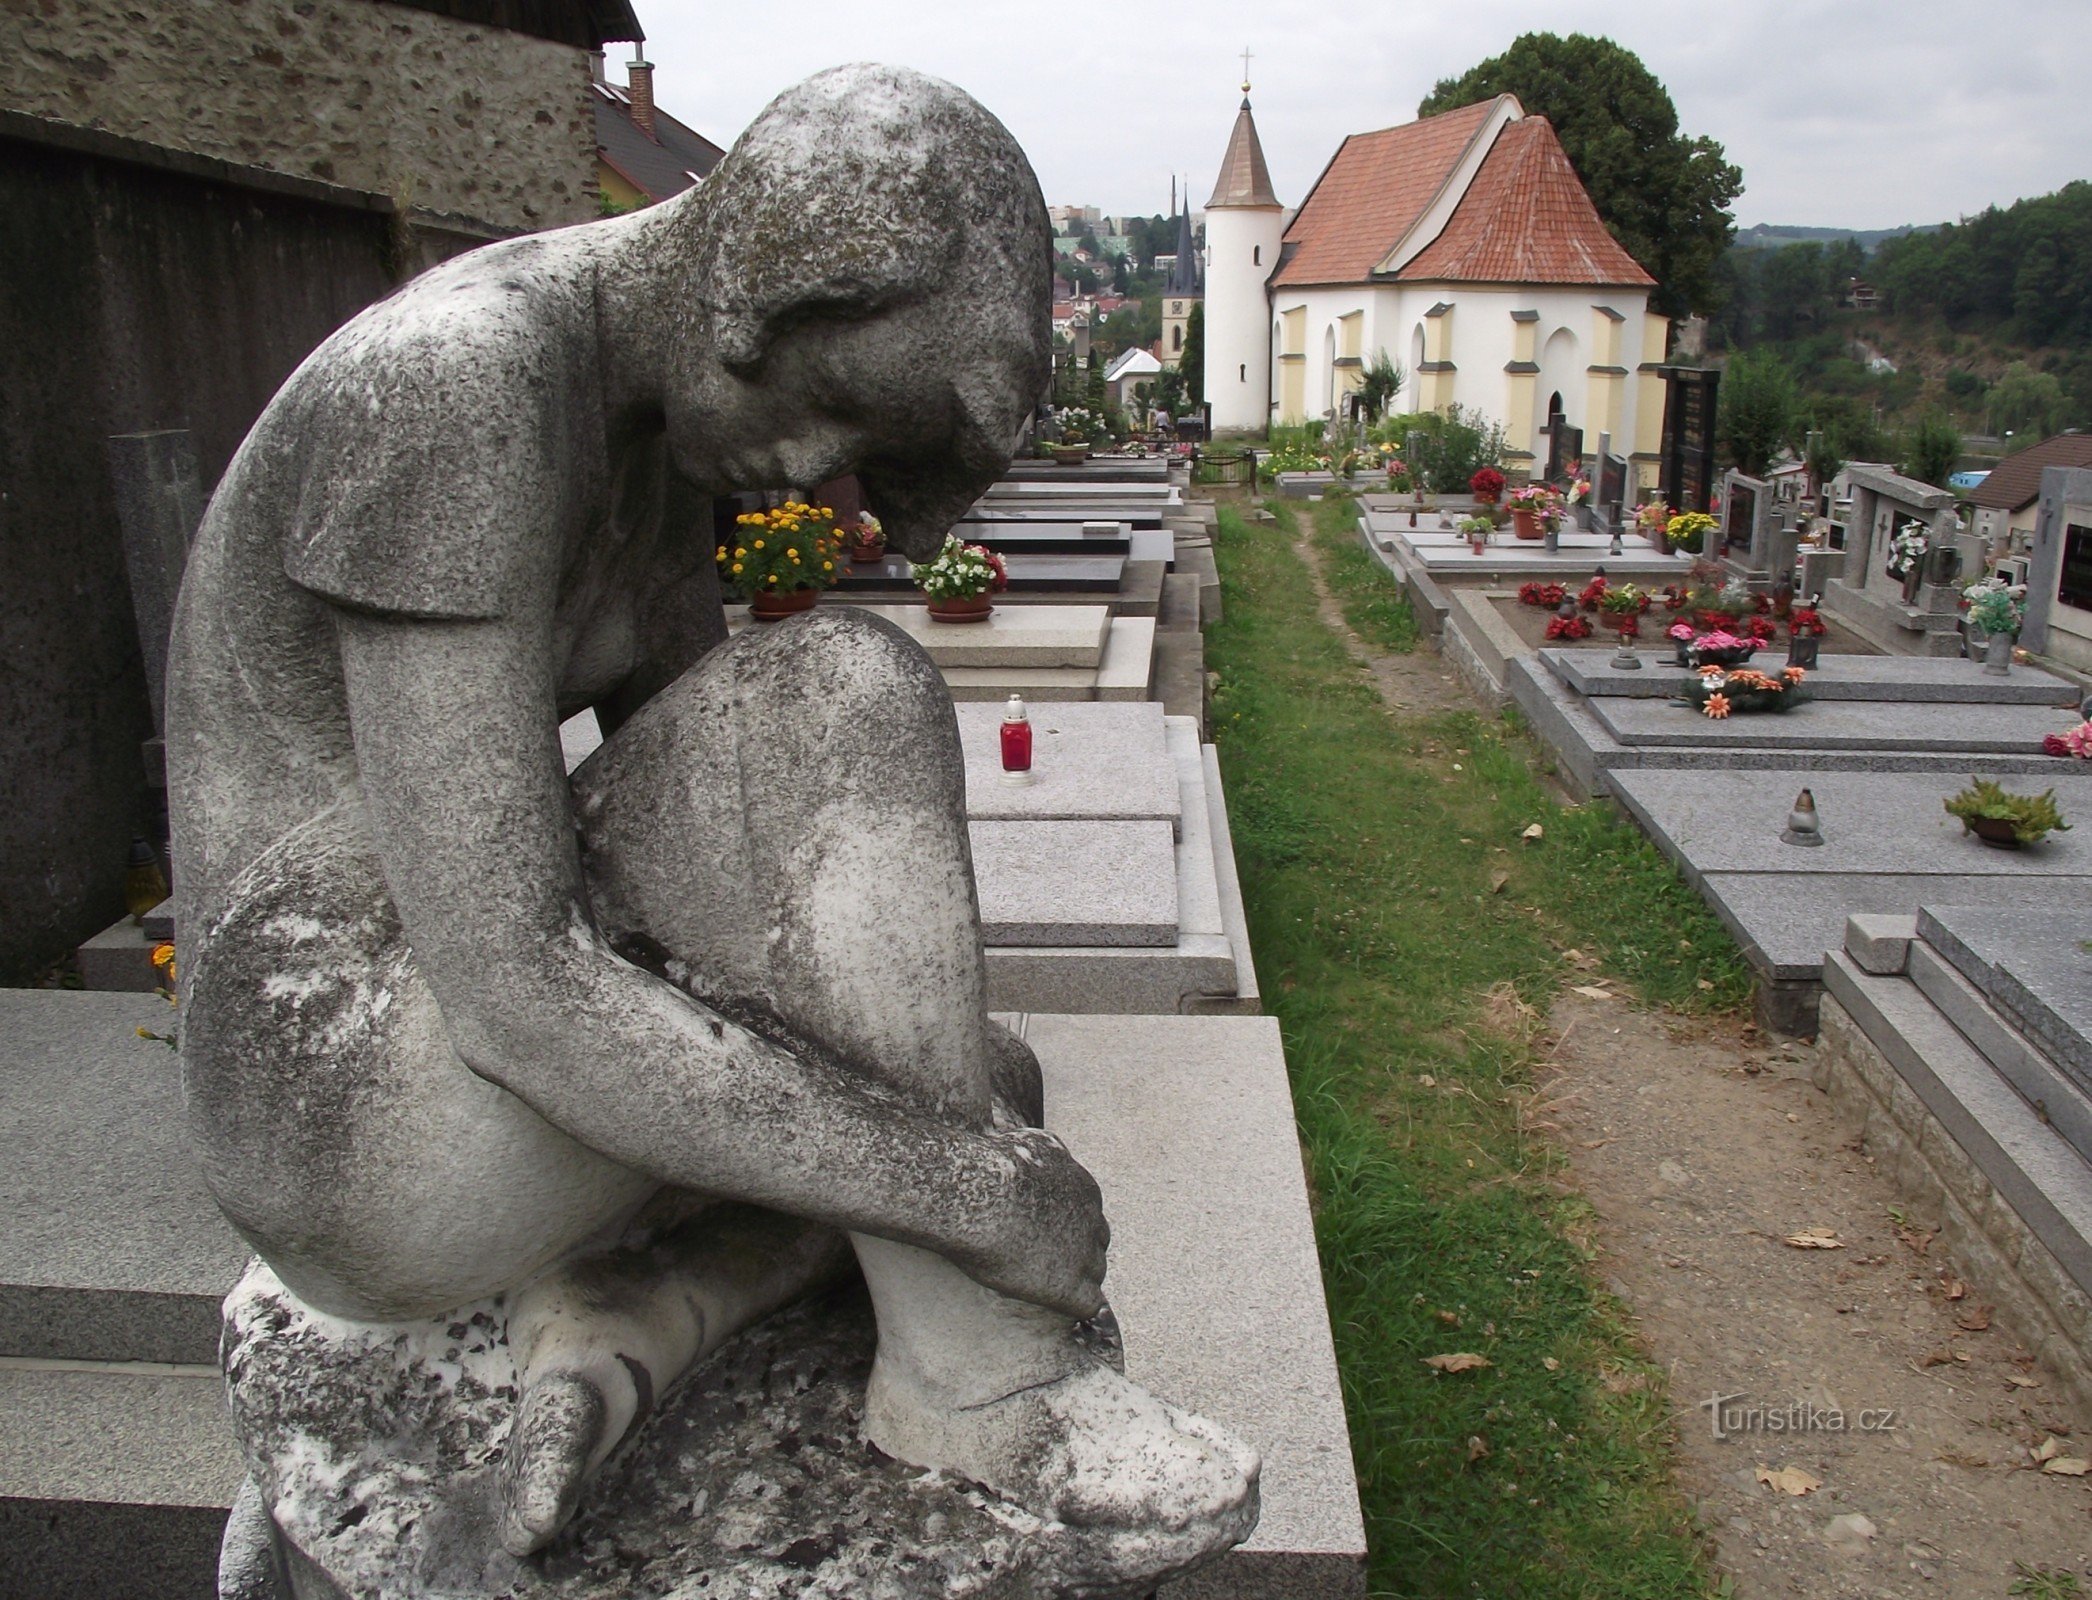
(1185,277)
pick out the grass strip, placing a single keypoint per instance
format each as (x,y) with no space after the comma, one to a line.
(1408,935)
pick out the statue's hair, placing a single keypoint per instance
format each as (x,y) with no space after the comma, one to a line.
(864,188)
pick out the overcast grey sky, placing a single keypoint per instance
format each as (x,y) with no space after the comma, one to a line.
(1851,113)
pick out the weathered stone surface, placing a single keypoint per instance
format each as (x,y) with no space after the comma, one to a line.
(1091,762)
(1879,944)
(465,1039)
(753,1479)
(1834,725)
(1076,883)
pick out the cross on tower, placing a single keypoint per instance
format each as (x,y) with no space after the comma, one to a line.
(1245,69)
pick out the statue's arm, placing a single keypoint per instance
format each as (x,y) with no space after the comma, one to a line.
(458,756)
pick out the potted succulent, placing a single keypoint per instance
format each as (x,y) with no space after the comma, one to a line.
(1533,508)
(865,539)
(1477,530)
(1487,486)
(2003,819)
(1996,609)
(1805,631)
(957,583)
(781,559)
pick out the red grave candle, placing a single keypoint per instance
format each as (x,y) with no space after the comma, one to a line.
(1016,739)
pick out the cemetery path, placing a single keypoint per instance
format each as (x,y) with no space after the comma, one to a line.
(1703,1147)
(1415,683)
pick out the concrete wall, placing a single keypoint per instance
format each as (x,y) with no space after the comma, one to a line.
(448,118)
(137,298)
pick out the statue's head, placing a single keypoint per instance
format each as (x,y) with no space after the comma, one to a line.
(875,264)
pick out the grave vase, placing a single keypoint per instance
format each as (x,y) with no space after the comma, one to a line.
(1912,577)
(1802,648)
(1997,653)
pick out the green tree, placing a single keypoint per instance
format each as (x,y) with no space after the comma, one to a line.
(1758,409)
(1192,362)
(1665,196)
(1930,450)
(2026,403)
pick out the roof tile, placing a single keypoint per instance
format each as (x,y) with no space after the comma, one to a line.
(1374,188)
(2016,481)
(1526,218)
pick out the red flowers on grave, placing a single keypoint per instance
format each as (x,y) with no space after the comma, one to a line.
(1803,622)
(1760,628)
(1593,592)
(1568,628)
(2077,742)
(1487,484)
(1544,595)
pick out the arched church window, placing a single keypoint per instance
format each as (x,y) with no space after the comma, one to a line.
(1256,256)
(1176,338)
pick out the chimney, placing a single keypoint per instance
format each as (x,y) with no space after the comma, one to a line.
(640,78)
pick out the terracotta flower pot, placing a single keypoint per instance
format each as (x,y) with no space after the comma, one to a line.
(866,554)
(1526,524)
(1995,832)
(776,607)
(973,608)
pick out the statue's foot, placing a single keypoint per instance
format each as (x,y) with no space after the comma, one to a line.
(559,1435)
(1140,1488)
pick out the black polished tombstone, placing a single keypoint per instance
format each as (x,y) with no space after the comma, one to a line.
(1687,474)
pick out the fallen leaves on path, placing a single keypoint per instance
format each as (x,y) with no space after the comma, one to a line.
(1789,1480)
(1816,1239)
(1592,992)
(1458,1361)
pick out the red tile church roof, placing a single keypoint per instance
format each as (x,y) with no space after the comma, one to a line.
(1527,219)
(1524,218)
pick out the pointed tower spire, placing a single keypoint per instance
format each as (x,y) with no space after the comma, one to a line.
(1244,178)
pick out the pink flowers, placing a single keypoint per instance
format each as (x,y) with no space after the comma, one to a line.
(1720,639)
(1681,631)
(2077,742)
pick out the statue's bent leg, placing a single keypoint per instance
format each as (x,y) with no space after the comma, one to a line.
(840,913)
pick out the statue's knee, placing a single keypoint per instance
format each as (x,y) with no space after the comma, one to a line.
(856,670)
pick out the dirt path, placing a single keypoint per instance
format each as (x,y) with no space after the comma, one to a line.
(1909,1414)
(1413,685)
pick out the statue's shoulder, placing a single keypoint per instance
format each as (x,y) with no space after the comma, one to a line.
(435,435)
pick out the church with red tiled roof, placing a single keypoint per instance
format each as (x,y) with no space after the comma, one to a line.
(1465,248)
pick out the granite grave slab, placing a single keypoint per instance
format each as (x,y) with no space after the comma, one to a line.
(1835,725)
(1098,761)
(113,1249)
(1910,679)
(2032,964)
(1076,883)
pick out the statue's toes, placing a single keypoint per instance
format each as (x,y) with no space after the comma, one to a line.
(549,1449)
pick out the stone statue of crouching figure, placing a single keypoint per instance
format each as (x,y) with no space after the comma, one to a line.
(637,1059)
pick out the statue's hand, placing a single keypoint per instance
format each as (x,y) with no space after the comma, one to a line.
(1051,1247)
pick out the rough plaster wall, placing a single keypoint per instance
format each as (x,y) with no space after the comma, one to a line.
(442,115)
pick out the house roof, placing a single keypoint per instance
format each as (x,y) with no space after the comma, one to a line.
(1520,215)
(1526,218)
(1244,179)
(658,167)
(1134,361)
(2015,482)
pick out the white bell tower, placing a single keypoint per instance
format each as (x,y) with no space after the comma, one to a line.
(1244,225)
